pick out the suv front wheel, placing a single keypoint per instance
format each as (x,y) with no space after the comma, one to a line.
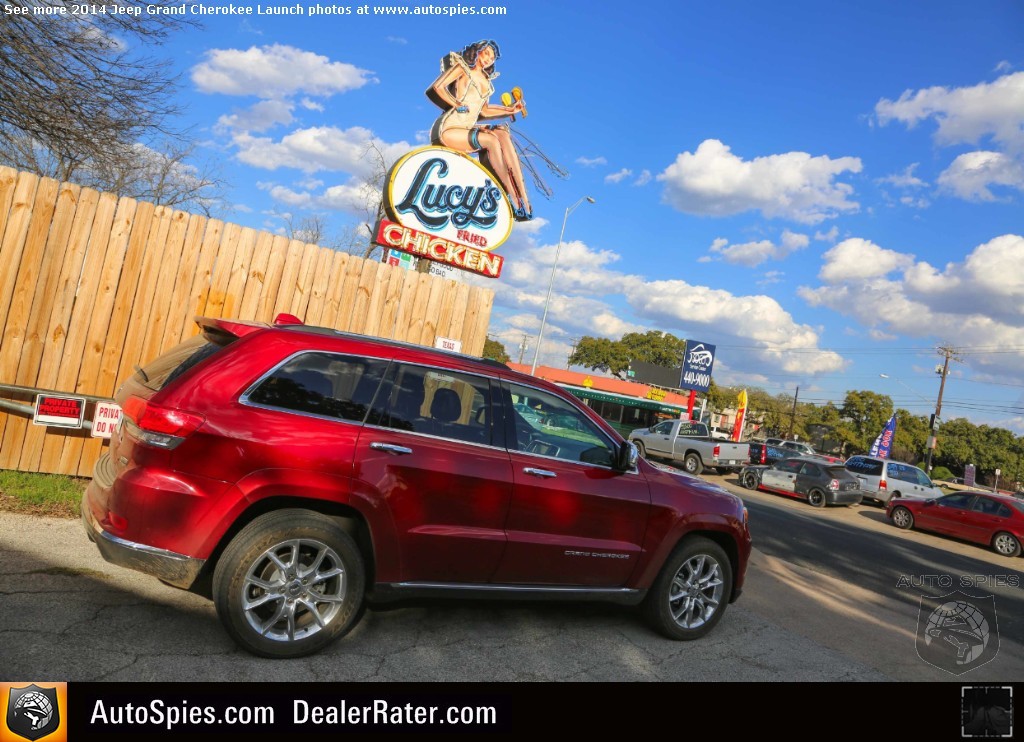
(690,594)
(289,583)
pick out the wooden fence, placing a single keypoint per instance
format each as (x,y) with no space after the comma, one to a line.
(91,285)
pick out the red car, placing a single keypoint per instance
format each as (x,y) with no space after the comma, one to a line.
(981,517)
(288,471)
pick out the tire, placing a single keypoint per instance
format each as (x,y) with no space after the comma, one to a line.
(750,480)
(817,498)
(902,518)
(1006,544)
(692,464)
(276,589)
(692,590)
(640,449)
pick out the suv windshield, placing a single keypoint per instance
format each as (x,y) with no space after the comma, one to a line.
(159,373)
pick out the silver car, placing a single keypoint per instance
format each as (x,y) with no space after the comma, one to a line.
(882,479)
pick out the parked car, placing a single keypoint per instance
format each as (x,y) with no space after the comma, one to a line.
(802,448)
(766,454)
(981,517)
(819,482)
(689,444)
(882,479)
(290,471)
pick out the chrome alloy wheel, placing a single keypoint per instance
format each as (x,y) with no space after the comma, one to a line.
(294,589)
(902,518)
(696,591)
(1006,544)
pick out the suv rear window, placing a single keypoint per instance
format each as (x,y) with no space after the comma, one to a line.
(159,373)
(870,467)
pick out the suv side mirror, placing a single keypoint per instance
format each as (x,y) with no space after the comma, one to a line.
(626,456)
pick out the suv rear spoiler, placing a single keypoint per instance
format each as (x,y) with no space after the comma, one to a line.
(240,328)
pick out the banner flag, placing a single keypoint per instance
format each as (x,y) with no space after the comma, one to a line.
(883,443)
(741,414)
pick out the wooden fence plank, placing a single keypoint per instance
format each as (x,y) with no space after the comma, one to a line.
(160,299)
(304,281)
(199,293)
(332,305)
(349,292)
(256,284)
(13,243)
(8,180)
(240,268)
(265,311)
(124,299)
(78,325)
(430,310)
(478,318)
(89,381)
(361,308)
(320,283)
(188,266)
(289,276)
(392,299)
(136,330)
(221,276)
(19,316)
(59,325)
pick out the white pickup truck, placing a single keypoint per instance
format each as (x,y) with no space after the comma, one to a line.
(691,445)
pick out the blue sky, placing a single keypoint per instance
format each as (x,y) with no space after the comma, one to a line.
(826,191)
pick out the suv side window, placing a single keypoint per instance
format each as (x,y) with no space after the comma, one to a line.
(324,384)
(438,402)
(567,433)
(902,472)
(922,478)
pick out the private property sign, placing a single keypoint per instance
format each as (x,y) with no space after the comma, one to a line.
(105,418)
(59,412)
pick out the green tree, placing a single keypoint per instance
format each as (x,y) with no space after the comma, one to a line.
(867,413)
(614,356)
(911,437)
(494,350)
(601,354)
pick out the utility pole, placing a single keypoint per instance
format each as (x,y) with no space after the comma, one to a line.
(792,417)
(950,353)
(522,348)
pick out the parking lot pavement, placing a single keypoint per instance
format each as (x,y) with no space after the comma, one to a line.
(65,614)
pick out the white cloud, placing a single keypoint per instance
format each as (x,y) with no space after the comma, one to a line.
(257,118)
(752,254)
(857,259)
(311,105)
(618,177)
(905,179)
(591,161)
(398,40)
(713,181)
(350,197)
(593,296)
(318,148)
(829,236)
(979,302)
(964,115)
(970,175)
(643,178)
(275,71)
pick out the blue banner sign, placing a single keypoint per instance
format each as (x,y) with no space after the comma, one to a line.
(697,364)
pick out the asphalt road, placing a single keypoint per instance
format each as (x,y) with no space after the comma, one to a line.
(821,604)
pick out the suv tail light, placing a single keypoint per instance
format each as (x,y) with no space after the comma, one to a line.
(882,485)
(157,425)
(764,455)
(716,452)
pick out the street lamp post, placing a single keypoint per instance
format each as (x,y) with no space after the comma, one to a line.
(551,282)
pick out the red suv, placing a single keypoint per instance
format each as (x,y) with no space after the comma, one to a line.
(288,471)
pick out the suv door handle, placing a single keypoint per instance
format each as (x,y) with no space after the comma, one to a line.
(390,448)
(544,473)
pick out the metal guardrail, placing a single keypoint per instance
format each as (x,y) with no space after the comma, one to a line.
(29,409)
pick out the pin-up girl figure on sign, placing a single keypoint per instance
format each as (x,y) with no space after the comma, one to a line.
(463,90)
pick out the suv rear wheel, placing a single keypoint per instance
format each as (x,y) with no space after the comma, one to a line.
(692,590)
(289,583)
